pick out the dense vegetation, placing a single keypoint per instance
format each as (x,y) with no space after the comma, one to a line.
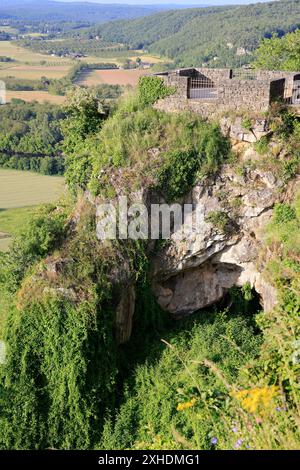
(237,392)
(279,53)
(211,35)
(224,379)
(197,147)
(30,137)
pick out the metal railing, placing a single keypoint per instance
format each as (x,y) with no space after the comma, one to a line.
(244,74)
(202,88)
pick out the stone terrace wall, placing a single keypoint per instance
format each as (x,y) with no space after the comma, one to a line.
(253,95)
(233,94)
(216,75)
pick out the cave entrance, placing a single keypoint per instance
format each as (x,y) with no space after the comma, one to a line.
(243,300)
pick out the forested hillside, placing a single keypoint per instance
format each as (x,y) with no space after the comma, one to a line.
(30,136)
(212,35)
(52,11)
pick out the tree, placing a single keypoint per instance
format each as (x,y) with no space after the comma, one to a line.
(279,53)
(85,115)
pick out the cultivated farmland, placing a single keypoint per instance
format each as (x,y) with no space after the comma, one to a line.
(39,96)
(34,72)
(23,55)
(112,77)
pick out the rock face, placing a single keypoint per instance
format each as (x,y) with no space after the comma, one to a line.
(221,251)
(237,132)
(195,272)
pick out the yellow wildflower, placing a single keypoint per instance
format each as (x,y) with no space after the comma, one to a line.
(186,405)
(256,399)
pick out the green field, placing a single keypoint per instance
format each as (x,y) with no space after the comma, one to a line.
(19,193)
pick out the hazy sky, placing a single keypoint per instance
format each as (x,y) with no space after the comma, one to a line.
(181,2)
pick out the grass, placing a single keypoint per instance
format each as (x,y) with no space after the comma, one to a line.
(4,243)
(19,192)
(23,189)
(113,55)
(11,220)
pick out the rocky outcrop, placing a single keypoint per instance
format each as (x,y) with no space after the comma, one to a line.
(197,271)
(236,130)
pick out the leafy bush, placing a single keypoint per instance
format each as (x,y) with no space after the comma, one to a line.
(173,398)
(279,53)
(164,150)
(283,213)
(60,372)
(247,124)
(152,89)
(219,219)
(262,145)
(42,234)
(178,173)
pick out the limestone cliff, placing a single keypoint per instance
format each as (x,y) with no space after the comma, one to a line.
(197,271)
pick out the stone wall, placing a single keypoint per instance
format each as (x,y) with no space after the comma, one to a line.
(253,95)
(232,94)
(217,75)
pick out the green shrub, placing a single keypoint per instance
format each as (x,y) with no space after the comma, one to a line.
(290,168)
(153,88)
(43,233)
(185,147)
(262,145)
(283,213)
(220,220)
(246,123)
(174,373)
(60,372)
(178,173)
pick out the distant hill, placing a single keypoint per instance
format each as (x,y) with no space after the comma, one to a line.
(218,35)
(37,11)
